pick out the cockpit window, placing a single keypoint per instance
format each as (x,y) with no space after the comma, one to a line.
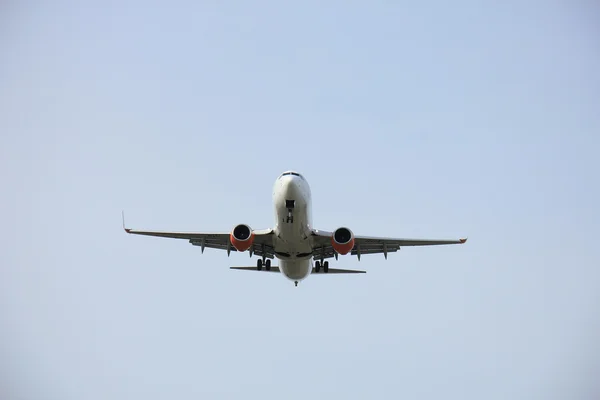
(292,173)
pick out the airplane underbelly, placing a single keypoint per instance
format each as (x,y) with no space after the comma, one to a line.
(292,239)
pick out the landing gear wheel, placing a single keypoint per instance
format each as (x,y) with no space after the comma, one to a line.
(268,265)
(317,266)
(259,264)
(326,266)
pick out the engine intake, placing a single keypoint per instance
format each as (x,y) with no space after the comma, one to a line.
(342,240)
(242,237)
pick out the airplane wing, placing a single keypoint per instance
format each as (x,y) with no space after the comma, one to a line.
(323,248)
(261,246)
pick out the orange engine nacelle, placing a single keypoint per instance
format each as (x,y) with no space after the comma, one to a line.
(241,237)
(342,240)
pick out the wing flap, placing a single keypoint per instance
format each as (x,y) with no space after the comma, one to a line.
(180,235)
(370,240)
(262,245)
(372,244)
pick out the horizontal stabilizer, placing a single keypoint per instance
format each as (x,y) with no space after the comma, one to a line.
(321,272)
(273,269)
(338,271)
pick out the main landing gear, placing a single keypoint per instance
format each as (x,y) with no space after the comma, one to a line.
(260,263)
(325,266)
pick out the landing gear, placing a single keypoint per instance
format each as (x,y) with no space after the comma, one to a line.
(260,263)
(290,205)
(295,283)
(325,266)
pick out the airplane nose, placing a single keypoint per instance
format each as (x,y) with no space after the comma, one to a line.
(291,189)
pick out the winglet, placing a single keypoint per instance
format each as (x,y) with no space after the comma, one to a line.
(463,240)
(125,229)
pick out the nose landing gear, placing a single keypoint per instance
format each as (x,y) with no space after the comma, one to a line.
(295,283)
(290,205)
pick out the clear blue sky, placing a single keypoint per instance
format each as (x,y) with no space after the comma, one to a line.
(442,119)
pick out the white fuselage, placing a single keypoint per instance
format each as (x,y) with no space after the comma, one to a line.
(293,224)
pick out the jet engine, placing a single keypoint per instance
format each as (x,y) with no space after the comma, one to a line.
(342,240)
(241,237)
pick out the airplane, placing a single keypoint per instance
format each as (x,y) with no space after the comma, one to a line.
(293,240)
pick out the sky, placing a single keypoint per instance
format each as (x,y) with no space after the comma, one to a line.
(408,119)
